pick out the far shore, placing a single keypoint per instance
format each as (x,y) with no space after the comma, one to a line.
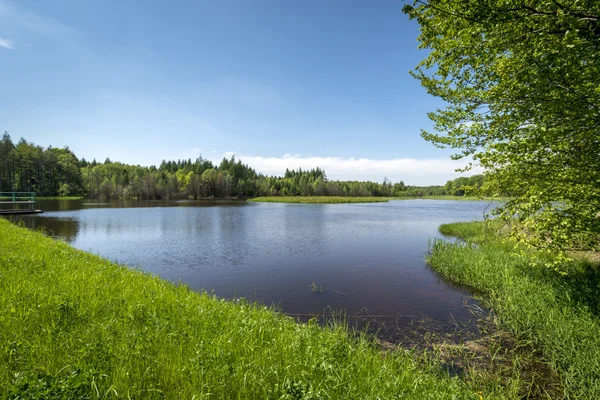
(348,199)
(302,199)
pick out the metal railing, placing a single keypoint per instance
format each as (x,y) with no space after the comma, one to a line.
(18,198)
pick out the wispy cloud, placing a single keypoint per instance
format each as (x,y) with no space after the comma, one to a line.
(24,23)
(411,171)
(7,44)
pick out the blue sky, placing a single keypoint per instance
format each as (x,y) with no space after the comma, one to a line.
(278,83)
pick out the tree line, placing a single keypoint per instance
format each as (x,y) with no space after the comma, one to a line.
(26,167)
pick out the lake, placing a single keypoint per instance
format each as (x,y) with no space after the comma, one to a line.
(364,259)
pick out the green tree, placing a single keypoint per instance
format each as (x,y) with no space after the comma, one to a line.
(521,79)
(8,163)
(209,178)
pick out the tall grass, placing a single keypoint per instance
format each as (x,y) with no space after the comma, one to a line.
(557,315)
(346,199)
(319,199)
(74,325)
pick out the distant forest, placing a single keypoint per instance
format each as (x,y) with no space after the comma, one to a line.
(26,167)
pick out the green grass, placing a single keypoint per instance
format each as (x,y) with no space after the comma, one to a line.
(555,317)
(345,199)
(74,325)
(443,197)
(319,199)
(474,232)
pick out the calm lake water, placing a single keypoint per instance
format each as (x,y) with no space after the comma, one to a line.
(367,258)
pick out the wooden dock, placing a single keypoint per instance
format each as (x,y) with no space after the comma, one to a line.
(12,212)
(17,199)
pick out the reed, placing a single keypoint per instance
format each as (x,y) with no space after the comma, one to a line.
(556,316)
(346,199)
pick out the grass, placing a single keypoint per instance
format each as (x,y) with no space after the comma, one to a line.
(473,232)
(74,325)
(450,197)
(553,317)
(316,288)
(345,199)
(319,199)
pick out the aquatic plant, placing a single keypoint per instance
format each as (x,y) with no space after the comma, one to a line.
(315,288)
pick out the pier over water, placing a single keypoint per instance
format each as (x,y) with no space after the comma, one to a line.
(18,203)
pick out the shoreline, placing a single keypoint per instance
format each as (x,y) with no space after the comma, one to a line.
(78,324)
(87,321)
(549,308)
(349,199)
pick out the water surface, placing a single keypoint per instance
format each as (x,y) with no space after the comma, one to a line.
(367,258)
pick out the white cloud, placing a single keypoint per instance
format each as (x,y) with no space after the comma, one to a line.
(409,170)
(7,44)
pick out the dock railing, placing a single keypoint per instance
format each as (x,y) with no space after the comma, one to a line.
(16,198)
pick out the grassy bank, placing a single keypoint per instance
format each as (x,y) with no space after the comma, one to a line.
(319,199)
(345,199)
(74,325)
(554,317)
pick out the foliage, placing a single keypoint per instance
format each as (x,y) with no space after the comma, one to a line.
(557,316)
(54,172)
(464,185)
(521,80)
(74,325)
(25,167)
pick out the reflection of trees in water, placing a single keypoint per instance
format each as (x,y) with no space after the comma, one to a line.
(59,205)
(81,204)
(63,228)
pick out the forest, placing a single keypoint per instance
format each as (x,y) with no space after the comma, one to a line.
(51,171)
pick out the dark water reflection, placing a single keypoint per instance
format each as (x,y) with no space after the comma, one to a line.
(368,258)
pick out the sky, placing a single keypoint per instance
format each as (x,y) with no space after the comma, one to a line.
(280,84)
